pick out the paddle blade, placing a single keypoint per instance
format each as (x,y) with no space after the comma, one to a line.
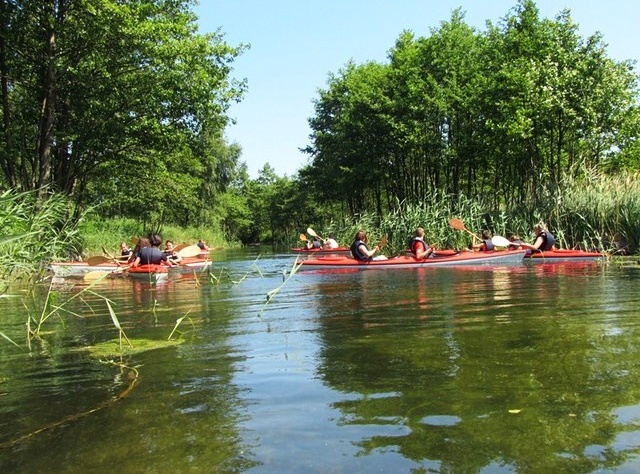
(312,232)
(95,275)
(179,247)
(383,241)
(98,259)
(189,251)
(303,238)
(500,241)
(100,274)
(457,224)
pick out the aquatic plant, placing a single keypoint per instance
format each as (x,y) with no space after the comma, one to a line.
(286,276)
(35,231)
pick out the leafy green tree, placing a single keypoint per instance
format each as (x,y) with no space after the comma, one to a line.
(501,115)
(93,86)
(352,122)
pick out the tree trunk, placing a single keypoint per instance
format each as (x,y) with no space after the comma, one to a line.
(6,160)
(47,110)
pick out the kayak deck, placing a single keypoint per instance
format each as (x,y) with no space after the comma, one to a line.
(303,250)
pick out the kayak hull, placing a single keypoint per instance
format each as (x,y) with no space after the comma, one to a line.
(564,255)
(447,259)
(149,273)
(79,269)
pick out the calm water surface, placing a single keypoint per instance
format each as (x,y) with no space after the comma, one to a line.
(526,369)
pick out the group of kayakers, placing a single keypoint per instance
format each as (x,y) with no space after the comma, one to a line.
(420,249)
(147,252)
(316,243)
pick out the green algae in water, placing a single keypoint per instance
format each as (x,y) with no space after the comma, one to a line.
(116,348)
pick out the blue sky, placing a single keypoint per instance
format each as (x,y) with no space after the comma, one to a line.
(295,44)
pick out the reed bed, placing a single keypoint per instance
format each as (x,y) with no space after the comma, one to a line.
(590,211)
(35,231)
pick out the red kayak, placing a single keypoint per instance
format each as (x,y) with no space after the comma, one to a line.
(564,255)
(447,258)
(149,273)
(79,269)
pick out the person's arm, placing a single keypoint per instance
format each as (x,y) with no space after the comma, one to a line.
(535,246)
(538,243)
(424,253)
(365,251)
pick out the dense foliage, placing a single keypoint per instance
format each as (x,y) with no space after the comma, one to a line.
(501,114)
(122,107)
(34,231)
(97,94)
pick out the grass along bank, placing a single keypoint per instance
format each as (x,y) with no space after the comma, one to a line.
(108,233)
(591,211)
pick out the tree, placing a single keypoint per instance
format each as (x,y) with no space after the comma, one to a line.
(91,86)
(503,115)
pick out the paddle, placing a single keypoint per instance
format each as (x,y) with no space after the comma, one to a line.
(189,251)
(99,274)
(312,233)
(383,242)
(104,251)
(457,224)
(99,259)
(303,238)
(119,258)
(500,241)
(179,247)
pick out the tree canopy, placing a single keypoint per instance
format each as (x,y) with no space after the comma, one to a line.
(97,94)
(501,114)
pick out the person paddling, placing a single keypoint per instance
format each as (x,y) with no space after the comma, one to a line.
(125,251)
(419,246)
(151,255)
(330,242)
(485,245)
(359,248)
(172,255)
(544,239)
(313,244)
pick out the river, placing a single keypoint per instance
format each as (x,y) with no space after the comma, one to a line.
(533,368)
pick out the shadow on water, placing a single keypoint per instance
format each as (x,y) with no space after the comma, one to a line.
(531,368)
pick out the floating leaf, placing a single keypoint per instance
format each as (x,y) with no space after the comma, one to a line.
(112,348)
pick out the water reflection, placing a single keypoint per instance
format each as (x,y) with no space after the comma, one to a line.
(514,394)
(523,369)
(184,411)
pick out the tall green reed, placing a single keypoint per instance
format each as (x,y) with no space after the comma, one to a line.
(34,232)
(590,210)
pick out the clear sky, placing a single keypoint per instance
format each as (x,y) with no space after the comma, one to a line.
(295,44)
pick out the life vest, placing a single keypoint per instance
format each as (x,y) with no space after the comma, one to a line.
(355,250)
(549,240)
(488,245)
(414,244)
